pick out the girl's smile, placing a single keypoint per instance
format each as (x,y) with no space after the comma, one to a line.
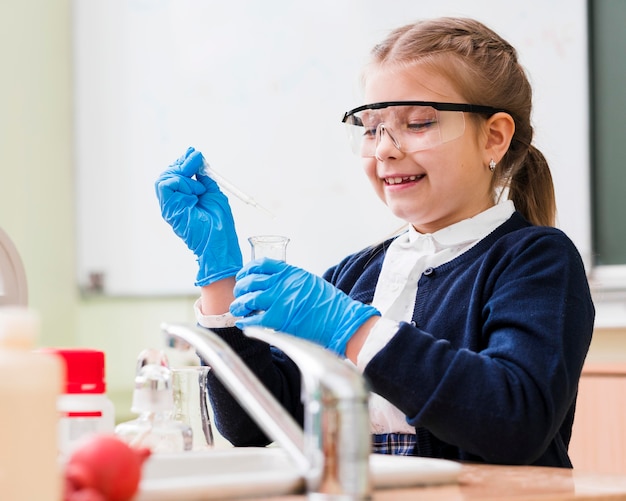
(396,180)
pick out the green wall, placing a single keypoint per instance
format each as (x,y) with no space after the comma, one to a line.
(609,124)
(37,199)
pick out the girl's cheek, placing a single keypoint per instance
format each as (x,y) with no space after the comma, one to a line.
(369,167)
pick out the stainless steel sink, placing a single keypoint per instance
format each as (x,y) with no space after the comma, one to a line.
(251,471)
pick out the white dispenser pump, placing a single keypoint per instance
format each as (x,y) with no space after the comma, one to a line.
(153,400)
(153,384)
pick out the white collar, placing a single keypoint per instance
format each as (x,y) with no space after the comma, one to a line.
(469,230)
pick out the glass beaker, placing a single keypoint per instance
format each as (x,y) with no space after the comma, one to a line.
(272,246)
(191,403)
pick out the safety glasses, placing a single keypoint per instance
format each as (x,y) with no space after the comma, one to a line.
(410,125)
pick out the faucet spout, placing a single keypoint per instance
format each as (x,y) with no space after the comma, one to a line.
(333,451)
(235,375)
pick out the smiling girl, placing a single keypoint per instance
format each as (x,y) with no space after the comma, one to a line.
(472,325)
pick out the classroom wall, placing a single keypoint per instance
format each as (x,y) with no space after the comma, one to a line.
(37,201)
(37,197)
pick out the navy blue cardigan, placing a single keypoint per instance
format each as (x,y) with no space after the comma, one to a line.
(487,371)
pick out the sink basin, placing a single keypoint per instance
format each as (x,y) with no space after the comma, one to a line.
(255,471)
(218,474)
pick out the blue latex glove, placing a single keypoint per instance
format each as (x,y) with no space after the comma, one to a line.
(276,295)
(199,214)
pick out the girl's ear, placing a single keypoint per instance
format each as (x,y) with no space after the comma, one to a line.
(499,128)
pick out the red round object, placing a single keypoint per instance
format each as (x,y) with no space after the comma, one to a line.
(107,464)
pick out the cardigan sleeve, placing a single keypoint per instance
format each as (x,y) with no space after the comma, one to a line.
(275,370)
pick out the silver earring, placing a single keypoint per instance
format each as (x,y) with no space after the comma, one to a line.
(492,165)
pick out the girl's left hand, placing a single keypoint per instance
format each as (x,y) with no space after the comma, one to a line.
(276,295)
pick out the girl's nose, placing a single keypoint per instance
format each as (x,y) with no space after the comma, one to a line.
(386,144)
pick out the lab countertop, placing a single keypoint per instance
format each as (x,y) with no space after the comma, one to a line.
(510,483)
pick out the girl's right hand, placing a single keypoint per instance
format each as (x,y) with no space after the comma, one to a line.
(200,215)
(279,296)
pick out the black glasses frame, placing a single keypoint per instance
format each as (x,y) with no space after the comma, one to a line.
(469,108)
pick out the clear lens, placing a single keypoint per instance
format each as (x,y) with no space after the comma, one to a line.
(411,128)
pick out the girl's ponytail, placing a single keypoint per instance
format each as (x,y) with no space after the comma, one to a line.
(531,189)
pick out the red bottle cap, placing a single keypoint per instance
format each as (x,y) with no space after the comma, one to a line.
(84,369)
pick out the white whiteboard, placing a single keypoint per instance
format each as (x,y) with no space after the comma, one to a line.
(260,88)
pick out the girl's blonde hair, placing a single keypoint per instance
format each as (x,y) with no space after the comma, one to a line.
(485,70)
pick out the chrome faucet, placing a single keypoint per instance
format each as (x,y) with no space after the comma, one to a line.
(332,453)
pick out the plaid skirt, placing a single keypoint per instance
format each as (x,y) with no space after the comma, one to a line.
(402,444)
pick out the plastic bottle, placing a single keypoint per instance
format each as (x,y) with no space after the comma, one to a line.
(153,400)
(30,384)
(84,409)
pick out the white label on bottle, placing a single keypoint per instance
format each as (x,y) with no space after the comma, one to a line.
(73,426)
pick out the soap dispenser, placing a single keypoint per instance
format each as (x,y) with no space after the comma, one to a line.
(153,400)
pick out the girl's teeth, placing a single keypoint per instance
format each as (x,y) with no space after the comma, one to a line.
(399,180)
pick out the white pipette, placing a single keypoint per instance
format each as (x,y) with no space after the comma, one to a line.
(230,187)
